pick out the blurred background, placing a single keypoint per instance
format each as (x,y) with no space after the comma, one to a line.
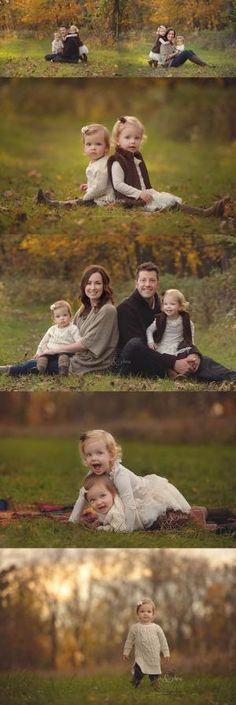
(69,611)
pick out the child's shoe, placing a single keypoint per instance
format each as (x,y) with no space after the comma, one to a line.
(41,197)
(5,369)
(155,685)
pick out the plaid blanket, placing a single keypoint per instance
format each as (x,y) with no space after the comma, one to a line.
(11,511)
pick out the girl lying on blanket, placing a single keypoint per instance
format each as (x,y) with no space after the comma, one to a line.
(124,501)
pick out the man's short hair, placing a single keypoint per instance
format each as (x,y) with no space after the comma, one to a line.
(148,267)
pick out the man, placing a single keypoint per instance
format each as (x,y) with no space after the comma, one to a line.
(135,314)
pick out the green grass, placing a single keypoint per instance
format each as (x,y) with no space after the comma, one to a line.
(133,61)
(47,153)
(47,470)
(31,689)
(21,57)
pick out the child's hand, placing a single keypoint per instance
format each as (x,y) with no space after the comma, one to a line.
(83,187)
(152,346)
(146,196)
(166,658)
(125,658)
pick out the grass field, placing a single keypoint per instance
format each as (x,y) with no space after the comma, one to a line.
(133,61)
(21,57)
(32,689)
(47,153)
(47,470)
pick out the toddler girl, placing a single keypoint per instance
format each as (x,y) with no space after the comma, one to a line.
(101,494)
(151,495)
(149,642)
(130,178)
(98,189)
(171,327)
(57,43)
(63,332)
(154,56)
(179,43)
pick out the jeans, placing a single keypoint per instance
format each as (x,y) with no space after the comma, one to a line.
(30,367)
(137,359)
(138,675)
(182,57)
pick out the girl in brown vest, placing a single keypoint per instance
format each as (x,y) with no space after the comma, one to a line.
(130,178)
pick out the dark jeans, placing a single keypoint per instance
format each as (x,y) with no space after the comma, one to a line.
(182,57)
(60,59)
(137,359)
(52,57)
(30,367)
(138,676)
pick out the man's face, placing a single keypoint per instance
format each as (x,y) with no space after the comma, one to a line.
(147,284)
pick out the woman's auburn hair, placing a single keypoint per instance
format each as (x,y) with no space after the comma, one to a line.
(107,294)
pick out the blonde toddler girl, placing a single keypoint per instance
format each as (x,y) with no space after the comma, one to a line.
(130,178)
(149,642)
(172,326)
(98,189)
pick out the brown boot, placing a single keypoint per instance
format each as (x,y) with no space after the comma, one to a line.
(195,60)
(63,364)
(42,363)
(215,211)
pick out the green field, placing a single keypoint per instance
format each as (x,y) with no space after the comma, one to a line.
(22,57)
(31,689)
(134,54)
(47,470)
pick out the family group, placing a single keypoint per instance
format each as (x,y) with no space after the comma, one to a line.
(67,47)
(145,336)
(123,177)
(169,50)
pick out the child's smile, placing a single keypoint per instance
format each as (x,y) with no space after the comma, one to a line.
(97,457)
(100,498)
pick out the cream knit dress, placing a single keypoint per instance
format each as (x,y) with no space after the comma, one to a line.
(148,641)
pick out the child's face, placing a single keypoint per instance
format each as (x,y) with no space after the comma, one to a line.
(62,317)
(97,457)
(161,31)
(145,614)
(130,138)
(100,498)
(171,306)
(94,145)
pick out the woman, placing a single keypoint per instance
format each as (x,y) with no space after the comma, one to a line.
(97,323)
(170,56)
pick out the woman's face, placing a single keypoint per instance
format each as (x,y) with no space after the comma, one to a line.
(170,36)
(94,288)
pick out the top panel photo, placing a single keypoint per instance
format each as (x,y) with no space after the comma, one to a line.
(89,38)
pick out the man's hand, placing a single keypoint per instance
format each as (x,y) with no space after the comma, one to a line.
(189,365)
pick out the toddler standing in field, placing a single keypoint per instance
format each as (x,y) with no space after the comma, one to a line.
(130,178)
(149,642)
(150,495)
(98,189)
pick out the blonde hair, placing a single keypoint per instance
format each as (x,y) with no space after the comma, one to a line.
(123,122)
(183,304)
(161,26)
(98,434)
(145,601)
(61,304)
(96,127)
(93,480)
(74,29)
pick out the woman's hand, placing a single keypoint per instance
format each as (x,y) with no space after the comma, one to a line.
(146,196)
(83,187)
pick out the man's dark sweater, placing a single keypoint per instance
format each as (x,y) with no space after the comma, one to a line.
(134,316)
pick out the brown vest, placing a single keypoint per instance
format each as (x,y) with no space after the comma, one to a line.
(161,319)
(131,177)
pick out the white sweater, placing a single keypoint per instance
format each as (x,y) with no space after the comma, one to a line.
(148,641)
(58,336)
(172,337)
(99,186)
